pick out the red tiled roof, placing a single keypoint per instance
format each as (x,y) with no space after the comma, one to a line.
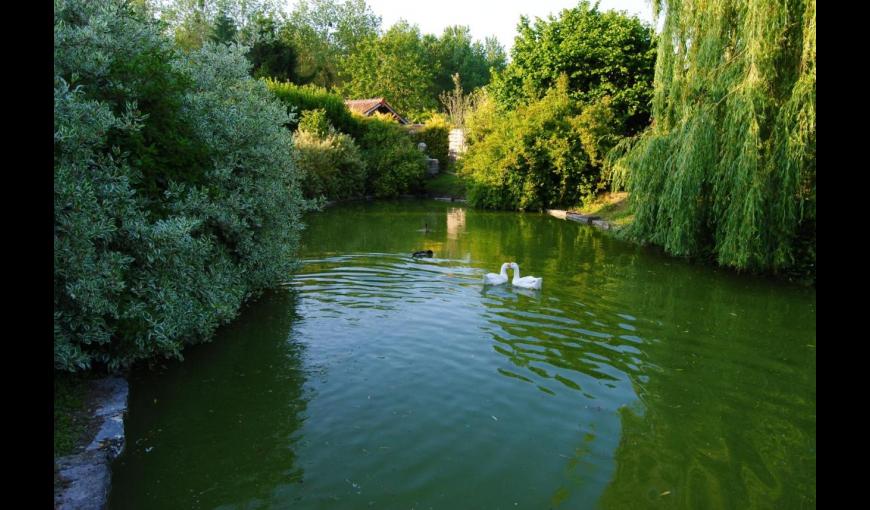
(367,106)
(364,106)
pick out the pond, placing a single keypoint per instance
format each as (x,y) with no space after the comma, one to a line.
(376,380)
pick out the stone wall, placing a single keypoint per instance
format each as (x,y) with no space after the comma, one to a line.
(456,144)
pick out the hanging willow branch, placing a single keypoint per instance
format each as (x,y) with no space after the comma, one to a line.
(728,167)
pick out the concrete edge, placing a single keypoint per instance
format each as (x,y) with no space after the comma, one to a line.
(86,476)
(594,221)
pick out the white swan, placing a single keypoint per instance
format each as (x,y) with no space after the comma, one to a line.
(526,282)
(497,279)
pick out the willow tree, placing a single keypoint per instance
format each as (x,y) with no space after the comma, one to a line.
(728,167)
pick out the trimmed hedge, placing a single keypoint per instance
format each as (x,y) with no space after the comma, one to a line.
(435,133)
(312,97)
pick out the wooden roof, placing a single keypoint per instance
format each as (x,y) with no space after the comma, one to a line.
(369,106)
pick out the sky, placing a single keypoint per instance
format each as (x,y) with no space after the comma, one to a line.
(488,17)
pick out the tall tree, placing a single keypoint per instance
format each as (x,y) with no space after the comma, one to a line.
(224,29)
(728,168)
(603,53)
(192,22)
(326,32)
(396,66)
(496,58)
(456,53)
(270,55)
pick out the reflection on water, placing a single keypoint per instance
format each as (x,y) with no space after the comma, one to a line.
(455,222)
(632,380)
(220,429)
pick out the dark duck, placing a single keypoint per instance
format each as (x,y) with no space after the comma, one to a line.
(421,254)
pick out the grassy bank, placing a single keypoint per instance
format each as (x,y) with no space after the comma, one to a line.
(446,184)
(611,207)
(70,412)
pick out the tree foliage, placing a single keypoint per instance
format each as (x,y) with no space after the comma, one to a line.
(602,53)
(412,70)
(326,32)
(457,53)
(192,23)
(270,55)
(728,168)
(327,43)
(225,30)
(395,66)
(577,86)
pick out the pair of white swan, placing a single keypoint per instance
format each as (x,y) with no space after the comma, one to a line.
(526,282)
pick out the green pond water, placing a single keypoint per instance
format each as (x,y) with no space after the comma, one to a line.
(374,380)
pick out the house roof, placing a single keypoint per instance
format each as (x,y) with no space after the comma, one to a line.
(369,106)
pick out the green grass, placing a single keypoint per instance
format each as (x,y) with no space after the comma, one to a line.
(446,184)
(70,413)
(611,207)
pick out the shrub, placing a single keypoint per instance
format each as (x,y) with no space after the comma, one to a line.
(531,158)
(480,118)
(435,133)
(300,98)
(315,122)
(139,274)
(330,161)
(598,128)
(394,164)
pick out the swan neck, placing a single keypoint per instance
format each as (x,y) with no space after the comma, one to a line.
(517,273)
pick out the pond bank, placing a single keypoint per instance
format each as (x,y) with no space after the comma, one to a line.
(595,221)
(83,479)
(371,198)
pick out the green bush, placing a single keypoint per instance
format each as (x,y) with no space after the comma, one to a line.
(394,164)
(481,116)
(139,273)
(598,128)
(435,133)
(310,97)
(531,158)
(331,162)
(315,122)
